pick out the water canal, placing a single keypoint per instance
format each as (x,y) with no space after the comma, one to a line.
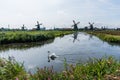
(74,47)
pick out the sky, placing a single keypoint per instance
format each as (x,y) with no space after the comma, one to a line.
(59,13)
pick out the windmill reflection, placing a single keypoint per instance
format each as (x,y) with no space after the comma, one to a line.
(75,35)
(90,37)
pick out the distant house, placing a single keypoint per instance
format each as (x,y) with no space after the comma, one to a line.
(86,28)
(4,29)
(34,29)
(118,28)
(44,28)
(67,28)
(63,29)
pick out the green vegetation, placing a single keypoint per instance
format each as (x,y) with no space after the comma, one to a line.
(109,36)
(9,69)
(96,69)
(29,36)
(24,46)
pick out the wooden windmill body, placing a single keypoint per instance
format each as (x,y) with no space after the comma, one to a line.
(23,27)
(38,25)
(75,25)
(91,26)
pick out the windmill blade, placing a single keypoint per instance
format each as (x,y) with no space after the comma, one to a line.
(37,22)
(78,22)
(74,21)
(72,26)
(23,25)
(40,24)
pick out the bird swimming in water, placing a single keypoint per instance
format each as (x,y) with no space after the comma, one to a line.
(51,56)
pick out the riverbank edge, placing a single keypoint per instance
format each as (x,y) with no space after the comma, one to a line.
(106,37)
(30,36)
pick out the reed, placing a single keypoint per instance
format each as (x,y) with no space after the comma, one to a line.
(10,69)
(109,36)
(105,68)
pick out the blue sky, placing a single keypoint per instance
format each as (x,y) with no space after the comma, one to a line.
(59,13)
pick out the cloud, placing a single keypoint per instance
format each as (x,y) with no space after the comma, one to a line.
(104,1)
(59,12)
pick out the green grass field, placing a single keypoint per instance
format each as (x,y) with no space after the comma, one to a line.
(29,36)
(109,36)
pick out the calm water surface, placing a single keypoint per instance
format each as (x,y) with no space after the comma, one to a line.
(75,47)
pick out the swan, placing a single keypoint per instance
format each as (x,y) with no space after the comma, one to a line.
(52,55)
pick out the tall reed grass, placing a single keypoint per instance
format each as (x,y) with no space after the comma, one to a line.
(109,36)
(106,68)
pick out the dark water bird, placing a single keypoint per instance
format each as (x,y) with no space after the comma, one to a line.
(51,56)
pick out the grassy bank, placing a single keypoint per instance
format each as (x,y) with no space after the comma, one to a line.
(24,46)
(95,69)
(109,36)
(29,36)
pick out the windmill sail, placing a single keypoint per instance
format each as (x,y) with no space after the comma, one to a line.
(75,25)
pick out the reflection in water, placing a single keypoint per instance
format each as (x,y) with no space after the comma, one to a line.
(114,44)
(75,36)
(90,36)
(24,46)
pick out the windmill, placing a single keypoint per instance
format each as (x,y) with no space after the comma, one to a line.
(91,26)
(75,25)
(38,25)
(23,27)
